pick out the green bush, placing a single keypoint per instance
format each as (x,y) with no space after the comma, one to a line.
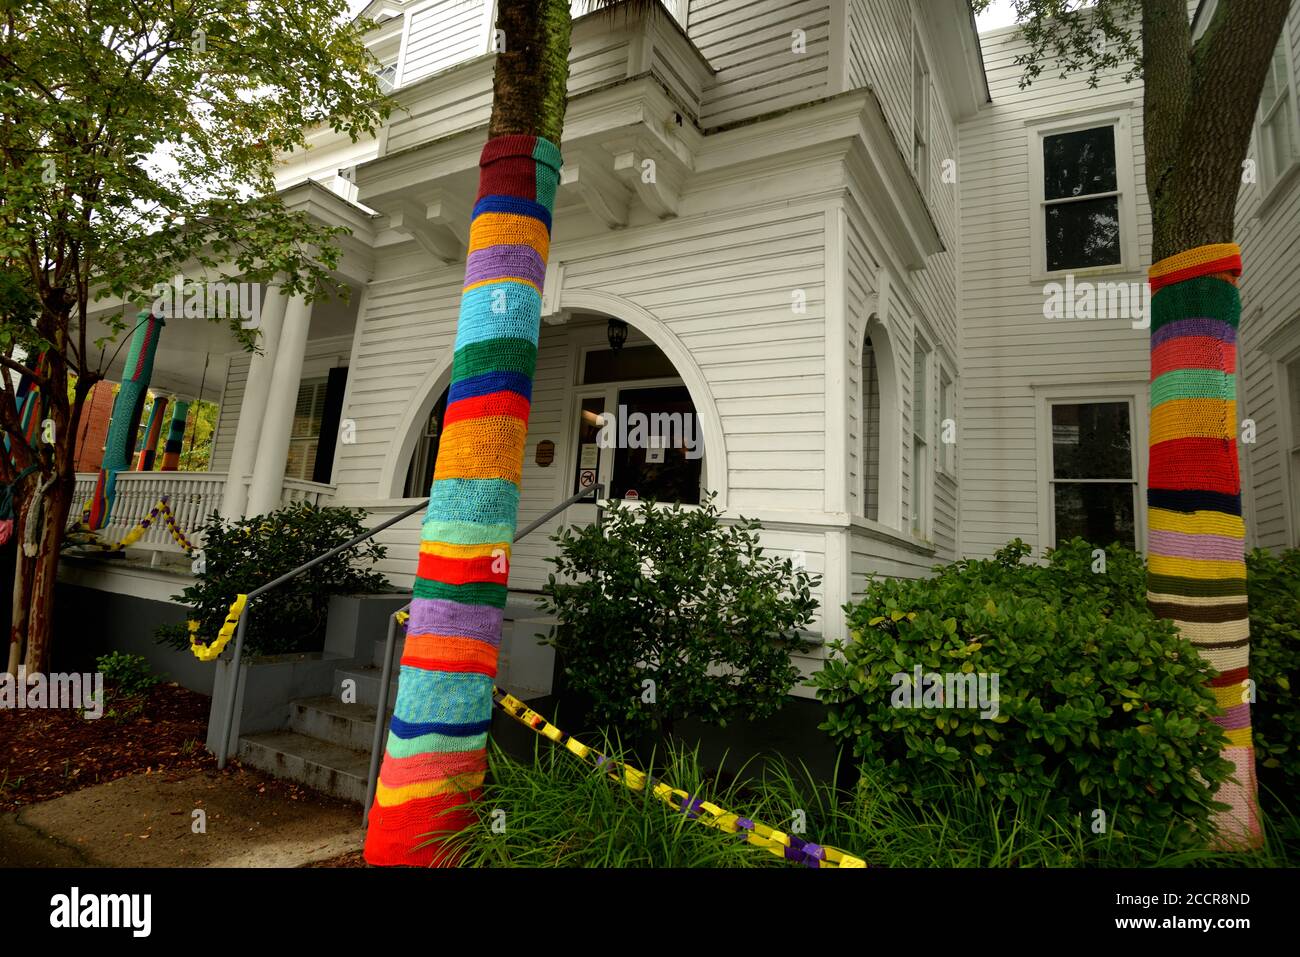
(1100,704)
(1273,584)
(679,598)
(128,674)
(240,556)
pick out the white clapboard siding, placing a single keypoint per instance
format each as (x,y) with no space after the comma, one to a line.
(1270,295)
(442,34)
(751,45)
(232,396)
(1008,346)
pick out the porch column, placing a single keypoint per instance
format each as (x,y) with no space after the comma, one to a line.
(281,400)
(253,407)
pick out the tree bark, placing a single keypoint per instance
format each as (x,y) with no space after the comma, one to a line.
(436,757)
(44,575)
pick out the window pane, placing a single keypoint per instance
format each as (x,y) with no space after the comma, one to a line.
(1274,80)
(1293,386)
(1091,441)
(662,472)
(632,362)
(1079,163)
(586,470)
(1279,137)
(1083,234)
(870,426)
(1099,513)
(919,355)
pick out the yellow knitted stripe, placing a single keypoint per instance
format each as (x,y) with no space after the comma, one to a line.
(509,229)
(501,279)
(1239,737)
(1196,523)
(386,796)
(1230,696)
(1201,568)
(1193,257)
(450,550)
(1193,418)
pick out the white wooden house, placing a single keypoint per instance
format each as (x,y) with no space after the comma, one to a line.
(839,266)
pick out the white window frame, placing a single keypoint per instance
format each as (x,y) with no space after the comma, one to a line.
(1270,180)
(924,469)
(921,110)
(947,457)
(1136,395)
(1282,353)
(1118,117)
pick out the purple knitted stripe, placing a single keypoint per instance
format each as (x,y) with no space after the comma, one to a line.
(1234,718)
(1222,548)
(1215,328)
(505,262)
(437,616)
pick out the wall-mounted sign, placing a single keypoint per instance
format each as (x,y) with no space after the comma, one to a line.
(590,456)
(587,478)
(545,453)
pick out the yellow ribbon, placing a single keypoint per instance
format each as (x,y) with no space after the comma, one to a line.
(210,652)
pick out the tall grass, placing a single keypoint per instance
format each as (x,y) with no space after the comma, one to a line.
(557,811)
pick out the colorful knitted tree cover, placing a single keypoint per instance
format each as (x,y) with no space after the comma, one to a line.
(436,754)
(30,403)
(1196,546)
(151,434)
(127,409)
(175,437)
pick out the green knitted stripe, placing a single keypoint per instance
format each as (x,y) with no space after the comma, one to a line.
(428,743)
(1195,587)
(471,593)
(495,355)
(1202,297)
(1193,384)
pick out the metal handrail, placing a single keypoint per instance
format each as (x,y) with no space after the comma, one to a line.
(390,645)
(236,659)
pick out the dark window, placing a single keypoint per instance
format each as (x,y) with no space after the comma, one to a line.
(1093,481)
(419,475)
(631,362)
(669,470)
(1081,199)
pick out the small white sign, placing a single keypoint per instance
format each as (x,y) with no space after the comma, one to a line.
(654,455)
(587,478)
(589,456)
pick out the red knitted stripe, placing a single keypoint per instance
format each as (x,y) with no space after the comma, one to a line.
(463,571)
(1234,677)
(1193,352)
(504,402)
(507,168)
(1228,264)
(1203,464)
(461,667)
(395,832)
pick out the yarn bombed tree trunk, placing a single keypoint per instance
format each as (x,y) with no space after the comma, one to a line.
(175,437)
(125,420)
(436,754)
(1196,535)
(151,434)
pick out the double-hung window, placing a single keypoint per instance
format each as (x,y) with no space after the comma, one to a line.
(1093,474)
(1278,129)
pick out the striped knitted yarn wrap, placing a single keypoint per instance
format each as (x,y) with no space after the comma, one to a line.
(175,437)
(151,433)
(1196,544)
(436,753)
(127,409)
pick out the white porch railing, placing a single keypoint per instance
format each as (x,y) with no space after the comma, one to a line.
(193,497)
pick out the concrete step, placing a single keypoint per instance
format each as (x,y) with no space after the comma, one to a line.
(367,684)
(327,767)
(327,718)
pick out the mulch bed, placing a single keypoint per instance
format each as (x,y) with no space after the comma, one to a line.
(47,753)
(352,859)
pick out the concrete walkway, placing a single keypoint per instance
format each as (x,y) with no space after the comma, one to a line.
(149,820)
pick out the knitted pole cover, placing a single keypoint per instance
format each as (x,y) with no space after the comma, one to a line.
(127,410)
(1196,546)
(175,437)
(151,433)
(436,753)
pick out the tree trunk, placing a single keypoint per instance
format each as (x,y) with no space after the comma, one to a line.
(21,600)
(436,757)
(44,573)
(1199,107)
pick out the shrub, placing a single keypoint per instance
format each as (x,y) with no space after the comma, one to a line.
(1100,704)
(128,674)
(1273,584)
(677,597)
(242,555)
